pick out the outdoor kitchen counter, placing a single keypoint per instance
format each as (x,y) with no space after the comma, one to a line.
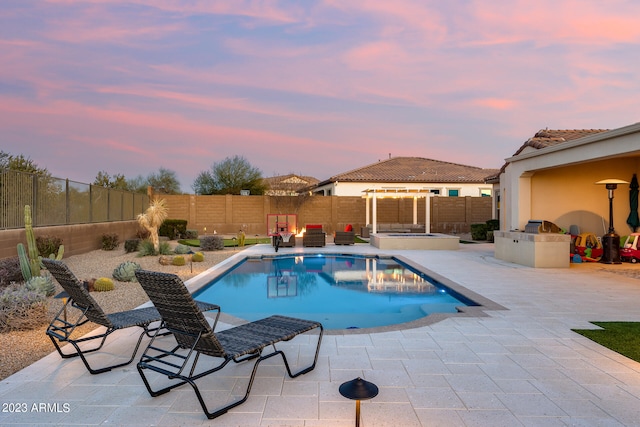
(543,250)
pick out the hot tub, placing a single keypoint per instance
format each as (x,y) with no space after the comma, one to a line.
(423,241)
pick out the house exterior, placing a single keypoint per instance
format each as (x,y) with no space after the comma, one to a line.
(552,177)
(410,174)
(288,185)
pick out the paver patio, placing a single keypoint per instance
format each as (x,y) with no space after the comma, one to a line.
(517,367)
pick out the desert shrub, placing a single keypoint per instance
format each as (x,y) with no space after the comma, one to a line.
(109,241)
(43,284)
(146,248)
(21,308)
(211,243)
(479,231)
(131,245)
(103,284)
(197,257)
(142,233)
(173,228)
(493,224)
(48,245)
(10,271)
(191,234)
(178,260)
(126,271)
(182,249)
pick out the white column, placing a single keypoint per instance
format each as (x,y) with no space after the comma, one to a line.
(367,213)
(374,226)
(427,213)
(415,210)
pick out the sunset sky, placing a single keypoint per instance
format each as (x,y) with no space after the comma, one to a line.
(308,87)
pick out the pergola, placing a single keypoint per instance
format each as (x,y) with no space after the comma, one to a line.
(398,192)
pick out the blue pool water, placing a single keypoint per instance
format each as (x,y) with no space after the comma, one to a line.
(341,291)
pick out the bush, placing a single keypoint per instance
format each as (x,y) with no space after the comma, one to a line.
(173,228)
(10,272)
(493,224)
(191,234)
(479,231)
(109,241)
(48,245)
(182,249)
(211,243)
(131,245)
(178,260)
(146,248)
(21,308)
(197,257)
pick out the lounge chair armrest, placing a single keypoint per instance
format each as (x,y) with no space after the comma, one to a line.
(205,306)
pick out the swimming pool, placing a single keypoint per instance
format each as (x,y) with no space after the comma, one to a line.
(341,291)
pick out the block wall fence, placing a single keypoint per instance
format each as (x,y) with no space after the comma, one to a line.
(228,214)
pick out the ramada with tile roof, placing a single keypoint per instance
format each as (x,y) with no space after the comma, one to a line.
(410,173)
(552,177)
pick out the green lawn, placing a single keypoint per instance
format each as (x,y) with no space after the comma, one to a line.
(621,337)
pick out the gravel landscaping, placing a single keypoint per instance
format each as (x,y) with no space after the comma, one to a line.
(19,349)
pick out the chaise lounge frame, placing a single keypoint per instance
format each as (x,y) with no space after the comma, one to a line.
(61,329)
(194,336)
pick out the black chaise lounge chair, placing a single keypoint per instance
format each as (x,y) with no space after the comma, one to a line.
(60,329)
(194,336)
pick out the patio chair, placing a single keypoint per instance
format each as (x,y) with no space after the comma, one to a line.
(314,236)
(194,336)
(346,237)
(60,329)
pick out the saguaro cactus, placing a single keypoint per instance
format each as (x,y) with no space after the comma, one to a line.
(31,257)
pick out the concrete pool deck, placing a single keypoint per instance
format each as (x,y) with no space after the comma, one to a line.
(522,366)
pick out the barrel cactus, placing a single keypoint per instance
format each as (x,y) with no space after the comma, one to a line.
(103,284)
(126,272)
(178,260)
(43,284)
(197,257)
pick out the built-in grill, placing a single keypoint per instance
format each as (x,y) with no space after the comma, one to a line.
(533,226)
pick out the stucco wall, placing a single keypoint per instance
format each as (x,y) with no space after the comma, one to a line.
(569,196)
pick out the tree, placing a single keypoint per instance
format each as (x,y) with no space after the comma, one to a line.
(117,181)
(164,181)
(21,163)
(152,219)
(230,176)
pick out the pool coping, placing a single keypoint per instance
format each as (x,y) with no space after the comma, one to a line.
(483,303)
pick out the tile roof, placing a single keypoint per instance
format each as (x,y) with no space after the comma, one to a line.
(413,169)
(547,137)
(289,183)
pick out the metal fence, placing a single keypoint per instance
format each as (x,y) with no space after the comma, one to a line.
(56,201)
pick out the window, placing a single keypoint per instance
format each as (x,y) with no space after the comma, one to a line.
(485,192)
(453,192)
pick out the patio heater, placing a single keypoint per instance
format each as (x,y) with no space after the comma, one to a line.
(358,390)
(611,241)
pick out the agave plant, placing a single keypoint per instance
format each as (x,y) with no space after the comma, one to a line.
(126,271)
(43,284)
